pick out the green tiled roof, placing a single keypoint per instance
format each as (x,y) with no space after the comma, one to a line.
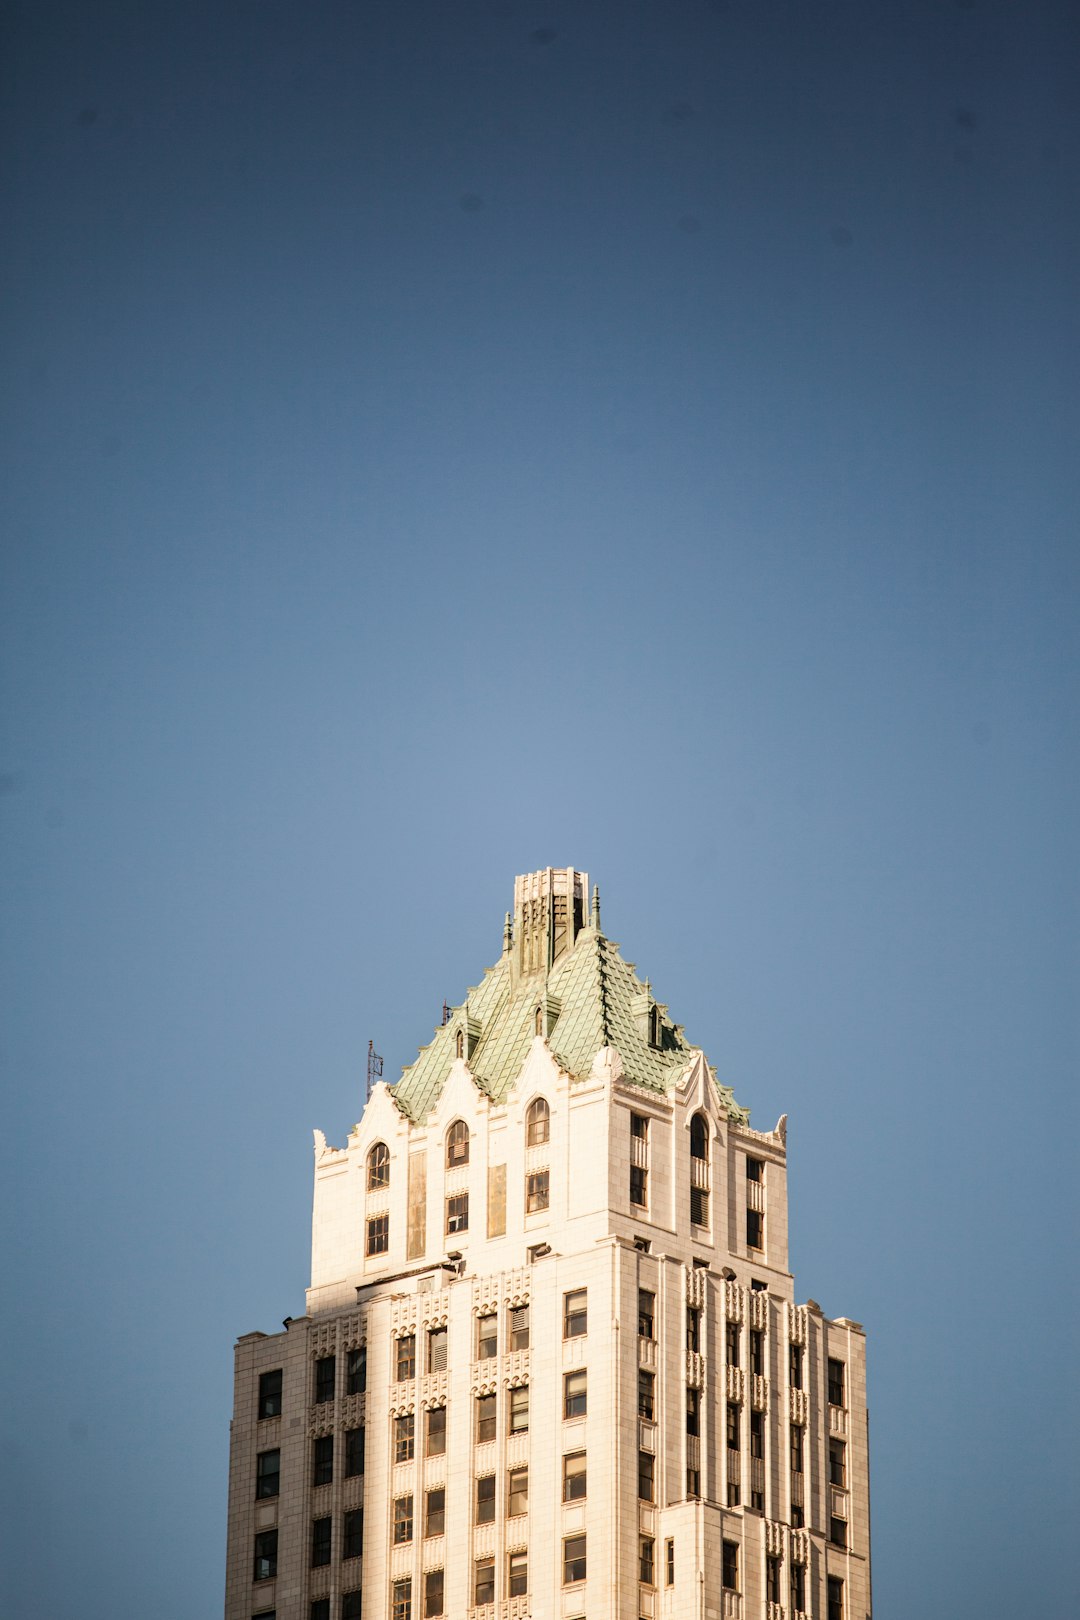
(601,1002)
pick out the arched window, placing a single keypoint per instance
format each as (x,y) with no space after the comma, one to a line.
(538,1024)
(457,1144)
(459,1043)
(537,1123)
(699,1170)
(378,1167)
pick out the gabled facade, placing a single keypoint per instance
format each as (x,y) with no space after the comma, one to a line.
(552,1363)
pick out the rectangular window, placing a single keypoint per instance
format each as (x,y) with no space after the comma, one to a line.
(325,1369)
(405,1357)
(435,1432)
(646,1314)
(796,1448)
(795,1366)
(693,1411)
(484,1585)
(693,1328)
(734,1426)
(755,1229)
(669,1561)
(639,1186)
(837,1463)
(265,1556)
(574,1560)
(352,1540)
(646,1560)
(757,1450)
(519,1409)
(646,1395)
(837,1531)
(401,1599)
(378,1234)
(517,1492)
(436,1350)
(731,1340)
(351,1606)
(322,1460)
(755,1169)
(433,1594)
(757,1352)
(646,1476)
(693,1482)
(320,1609)
(487,1337)
(537,1191)
(699,1206)
(836,1382)
(267,1474)
(403,1517)
(435,1511)
(404,1438)
(517,1574)
(519,1327)
(575,1313)
(356,1370)
(354,1453)
(574,1477)
(835,1593)
(486,1412)
(798,1588)
(575,1394)
(270,1394)
(485,1499)
(639,1128)
(729,1576)
(320,1541)
(457,1213)
(772,1580)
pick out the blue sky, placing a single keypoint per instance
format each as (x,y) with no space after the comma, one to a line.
(446,440)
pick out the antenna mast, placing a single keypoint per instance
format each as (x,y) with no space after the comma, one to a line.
(374,1067)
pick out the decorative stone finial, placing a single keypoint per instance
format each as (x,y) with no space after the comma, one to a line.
(595,919)
(508,933)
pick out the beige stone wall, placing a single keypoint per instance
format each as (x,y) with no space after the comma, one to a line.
(591,1237)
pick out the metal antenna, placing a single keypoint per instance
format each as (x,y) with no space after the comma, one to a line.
(374,1067)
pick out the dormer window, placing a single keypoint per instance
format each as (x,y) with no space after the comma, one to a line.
(656,1028)
(459,1044)
(457,1144)
(537,1123)
(538,1024)
(378,1167)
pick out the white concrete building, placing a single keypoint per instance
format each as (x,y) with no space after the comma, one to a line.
(552,1365)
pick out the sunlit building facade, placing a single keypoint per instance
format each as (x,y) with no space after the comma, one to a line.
(552,1366)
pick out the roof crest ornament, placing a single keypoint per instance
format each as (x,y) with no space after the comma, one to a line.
(595,918)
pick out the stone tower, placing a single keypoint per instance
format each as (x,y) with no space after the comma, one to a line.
(552,1366)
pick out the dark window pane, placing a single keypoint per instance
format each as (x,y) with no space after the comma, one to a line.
(435,1443)
(353,1534)
(265,1555)
(267,1474)
(354,1452)
(322,1470)
(270,1394)
(356,1370)
(325,1369)
(320,1542)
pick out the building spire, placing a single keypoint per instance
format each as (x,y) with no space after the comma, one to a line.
(508,933)
(595,919)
